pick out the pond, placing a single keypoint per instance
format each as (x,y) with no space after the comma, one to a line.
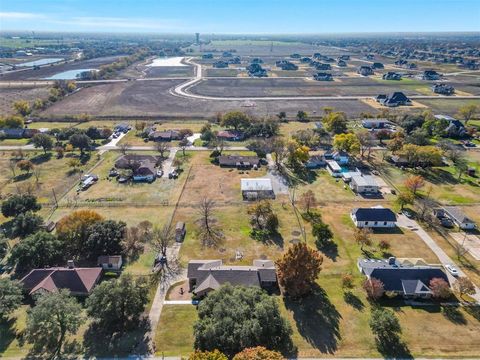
(40,62)
(69,75)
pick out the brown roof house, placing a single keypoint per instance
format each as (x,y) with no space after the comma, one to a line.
(208,275)
(79,281)
(142,166)
(238,161)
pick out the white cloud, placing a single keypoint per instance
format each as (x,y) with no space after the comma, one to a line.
(19,15)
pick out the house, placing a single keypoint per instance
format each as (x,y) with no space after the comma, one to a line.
(323,66)
(341,157)
(231,135)
(374,217)
(208,275)
(344,57)
(402,278)
(13,133)
(375,123)
(79,281)
(333,168)
(167,135)
(321,76)
(220,64)
(207,56)
(110,262)
(257,188)
(365,70)
(238,161)
(443,89)
(364,184)
(315,162)
(234,61)
(142,166)
(145,172)
(122,128)
(430,75)
(391,75)
(459,218)
(377,65)
(341,63)
(286,65)
(397,98)
(455,127)
(180,231)
(256,70)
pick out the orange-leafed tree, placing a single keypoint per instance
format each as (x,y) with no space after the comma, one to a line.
(374,288)
(207,355)
(298,269)
(258,353)
(440,288)
(414,183)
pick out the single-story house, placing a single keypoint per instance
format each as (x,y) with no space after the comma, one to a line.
(430,75)
(122,128)
(231,135)
(129,160)
(322,76)
(208,275)
(443,89)
(220,64)
(341,63)
(145,172)
(238,161)
(459,218)
(257,188)
(315,162)
(79,281)
(323,66)
(167,135)
(377,65)
(397,98)
(374,217)
(402,278)
(375,123)
(110,262)
(392,75)
(364,184)
(18,133)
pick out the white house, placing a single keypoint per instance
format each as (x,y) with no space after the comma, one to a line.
(364,184)
(459,218)
(333,168)
(257,188)
(375,217)
(110,262)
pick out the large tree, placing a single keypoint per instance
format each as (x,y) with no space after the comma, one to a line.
(116,305)
(335,122)
(25,224)
(43,141)
(233,318)
(210,234)
(465,286)
(467,112)
(384,324)
(347,142)
(414,183)
(298,269)
(104,238)
(37,251)
(73,229)
(10,296)
(236,119)
(207,355)
(19,204)
(374,288)
(80,141)
(263,219)
(51,320)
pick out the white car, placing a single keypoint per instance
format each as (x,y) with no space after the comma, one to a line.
(452,269)
(159,173)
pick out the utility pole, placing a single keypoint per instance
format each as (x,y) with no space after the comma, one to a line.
(55,197)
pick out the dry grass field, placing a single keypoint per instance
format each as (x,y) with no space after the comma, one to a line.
(8,95)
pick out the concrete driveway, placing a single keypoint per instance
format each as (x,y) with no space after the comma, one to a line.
(410,224)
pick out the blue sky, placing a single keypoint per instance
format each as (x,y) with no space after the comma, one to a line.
(240,16)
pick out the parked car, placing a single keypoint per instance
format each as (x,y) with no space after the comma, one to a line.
(172,174)
(113,172)
(122,179)
(407,213)
(446,222)
(159,173)
(452,270)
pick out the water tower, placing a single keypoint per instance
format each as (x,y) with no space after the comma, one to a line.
(197,38)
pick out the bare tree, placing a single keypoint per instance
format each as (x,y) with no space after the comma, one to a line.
(167,267)
(124,148)
(162,147)
(210,235)
(37,172)
(279,152)
(293,202)
(366,142)
(12,164)
(460,248)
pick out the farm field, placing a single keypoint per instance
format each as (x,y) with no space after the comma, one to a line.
(8,95)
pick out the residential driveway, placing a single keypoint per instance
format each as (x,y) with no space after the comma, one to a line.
(191,139)
(167,164)
(279,183)
(471,242)
(412,225)
(112,145)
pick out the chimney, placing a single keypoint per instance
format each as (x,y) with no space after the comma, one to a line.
(70,264)
(391,260)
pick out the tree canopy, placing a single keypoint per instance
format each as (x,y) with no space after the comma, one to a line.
(236,119)
(43,141)
(10,296)
(234,318)
(19,204)
(104,238)
(258,353)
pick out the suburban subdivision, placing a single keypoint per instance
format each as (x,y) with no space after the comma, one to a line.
(207,196)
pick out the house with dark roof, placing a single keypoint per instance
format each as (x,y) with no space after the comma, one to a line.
(365,70)
(208,275)
(166,135)
(12,133)
(402,278)
(375,123)
(322,76)
(455,127)
(231,135)
(79,281)
(239,161)
(395,99)
(430,75)
(286,65)
(220,64)
(377,65)
(142,166)
(341,63)
(443,89)
(374,217)
(459,218)
(207,56)
(323,66)
(316,162)
(392,75)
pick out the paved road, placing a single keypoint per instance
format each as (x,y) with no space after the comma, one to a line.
(412,225)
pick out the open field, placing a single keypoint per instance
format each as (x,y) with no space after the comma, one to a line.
(8,95)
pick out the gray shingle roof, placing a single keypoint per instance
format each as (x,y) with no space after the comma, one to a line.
(374,214)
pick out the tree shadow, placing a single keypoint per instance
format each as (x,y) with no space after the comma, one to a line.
(473,311)
(98,341)
(22,177)
(40,159)
(7,333)
(453,314)
(329,249)
(393,347)
(353,300)
(317,319)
